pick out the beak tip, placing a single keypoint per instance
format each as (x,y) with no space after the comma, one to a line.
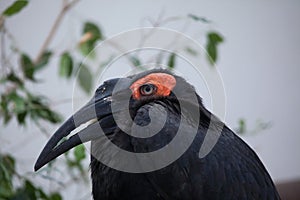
(37,166)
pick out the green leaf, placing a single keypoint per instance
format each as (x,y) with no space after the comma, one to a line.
(13,78)
(90,27)
(43,61)
(7,170)
(27,192)
(66,65)
(40,110)
(4,109)
(79,153)
(86,48)
(21,117)
(85,78)
(16,7)
(9,163)
(212,52)
(19,102)
(41,194)
(135,61)
(19,106)
(91,34)
(171,61)
(55,196)
(47,114)
(27,66)
(213,40)
(197,18)
(30,190)
(215,37)
(242,126)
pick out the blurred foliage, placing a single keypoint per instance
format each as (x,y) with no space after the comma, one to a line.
(91,34)
(66,65)
(30,192)
(135,61)
(85,78)
(16,7)
(27,191)
(241,126)
(213,40)
(198,18)
(20,103)
(191,51)
(79,155)
(7,170)
(30,68)
(258,127)
(18,100)
(171,61)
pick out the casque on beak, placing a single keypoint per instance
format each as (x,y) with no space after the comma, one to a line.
(95,110)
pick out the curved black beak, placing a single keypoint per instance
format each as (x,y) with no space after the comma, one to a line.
(96,109)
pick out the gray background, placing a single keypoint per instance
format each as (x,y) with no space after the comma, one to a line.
(259,63)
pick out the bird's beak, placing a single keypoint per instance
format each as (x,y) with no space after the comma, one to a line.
(97,109)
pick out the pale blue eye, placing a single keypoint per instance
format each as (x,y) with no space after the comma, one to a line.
(147,89)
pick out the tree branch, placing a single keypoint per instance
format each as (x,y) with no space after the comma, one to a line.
(66,7)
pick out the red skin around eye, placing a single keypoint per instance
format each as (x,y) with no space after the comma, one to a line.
(164,83)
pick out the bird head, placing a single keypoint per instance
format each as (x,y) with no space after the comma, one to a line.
(156,86)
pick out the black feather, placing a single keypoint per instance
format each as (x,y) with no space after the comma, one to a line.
(231,170)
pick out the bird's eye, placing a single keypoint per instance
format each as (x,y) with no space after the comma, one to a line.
(147,89)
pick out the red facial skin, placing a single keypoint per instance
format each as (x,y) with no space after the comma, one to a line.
(163,82)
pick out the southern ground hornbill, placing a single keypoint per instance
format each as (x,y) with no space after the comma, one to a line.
(231,170)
